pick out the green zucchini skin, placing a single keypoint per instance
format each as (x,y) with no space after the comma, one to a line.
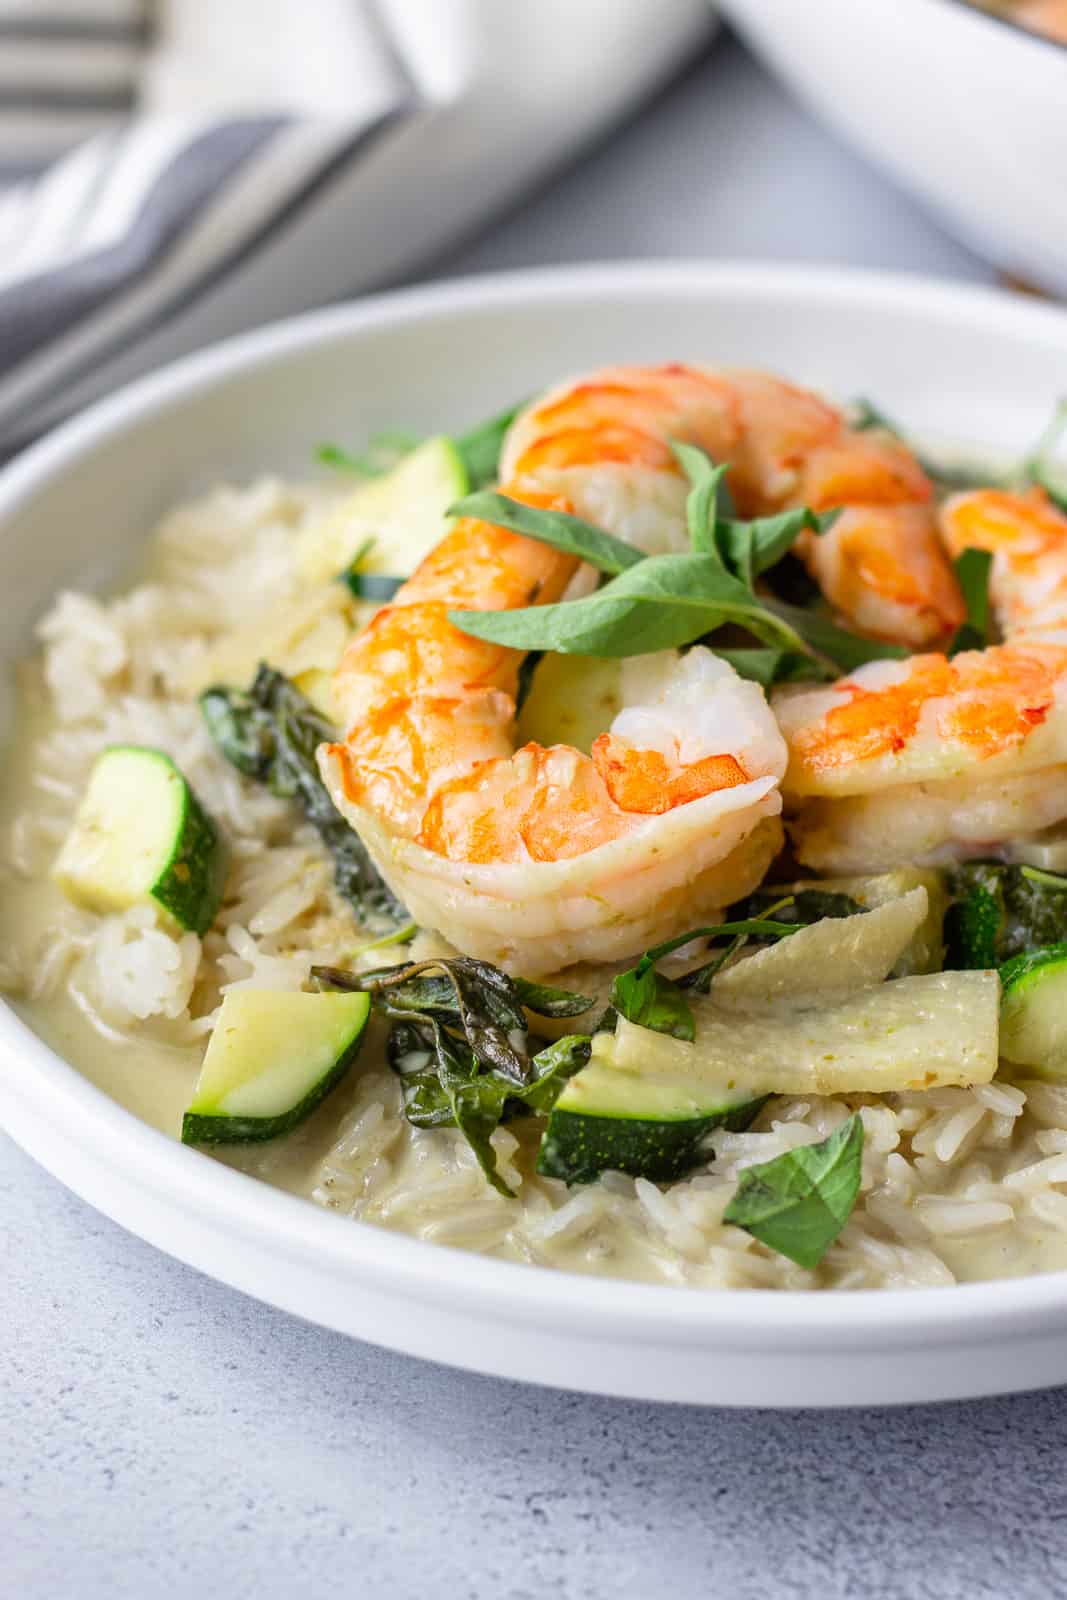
(578,1147)
(191,885)
(998,913)
(1033,1012)
(203,1128)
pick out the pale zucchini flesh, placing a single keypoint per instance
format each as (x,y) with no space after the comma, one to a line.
(141,834)
(272,1058)
(1033,1013)
(403,512)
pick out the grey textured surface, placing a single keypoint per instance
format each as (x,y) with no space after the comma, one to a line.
(162,1435)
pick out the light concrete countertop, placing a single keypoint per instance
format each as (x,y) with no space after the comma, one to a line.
(163,1436)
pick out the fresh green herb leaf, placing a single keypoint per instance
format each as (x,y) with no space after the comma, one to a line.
(479,448)
(844,650)
(798,1203)
(401,935)
(548,1002)
(662,603)
(751,548)
(701,507)
(383,452)
(972,569)
(552,1067)
(527,668)
(460,1044)
(557,528)
(768,667)
(376,586)
(803,905)
(271,733)
(1048,880)
(646,997)
(1001,910)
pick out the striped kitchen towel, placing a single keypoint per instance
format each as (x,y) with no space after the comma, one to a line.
(175,170)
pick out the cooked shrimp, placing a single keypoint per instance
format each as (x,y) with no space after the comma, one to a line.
(928,759)
(1044,16)
(603,441)
(1028,539)
(540,857)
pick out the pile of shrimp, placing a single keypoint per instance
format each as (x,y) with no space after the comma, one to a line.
(540,857)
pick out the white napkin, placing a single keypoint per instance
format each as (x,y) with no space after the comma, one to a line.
(249,158)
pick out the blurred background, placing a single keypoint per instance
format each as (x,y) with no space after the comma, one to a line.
(172,171)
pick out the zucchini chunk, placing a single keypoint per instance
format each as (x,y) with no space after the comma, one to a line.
(271,1059)
(999,912)
(403,512)
(646,1100)
(141,834)
(610,1121)
(1033,1012)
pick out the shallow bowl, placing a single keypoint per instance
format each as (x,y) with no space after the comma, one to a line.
(965,363)
(967,110)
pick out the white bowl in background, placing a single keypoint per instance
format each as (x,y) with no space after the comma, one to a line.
(967,110)
(972,363)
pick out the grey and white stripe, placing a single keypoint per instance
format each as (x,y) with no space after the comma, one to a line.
(234,160)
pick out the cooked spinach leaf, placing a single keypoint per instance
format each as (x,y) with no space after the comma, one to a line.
(479,448)
(461,1046)
(972,569)
(1000,910)
(798,1203)
(271,733)
(802,905)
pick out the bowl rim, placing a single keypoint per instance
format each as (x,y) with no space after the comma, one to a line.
(52,1092)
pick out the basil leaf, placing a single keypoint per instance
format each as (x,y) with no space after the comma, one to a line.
(553,1066)
(664,602)
(527,667)
(374,586)
(646,997)
(479,448)
(751,548)
(271,733)
(383,452)
(556,528)
(547,1002)
(701,506)
(845,650)
(769,667)
(798,1203)
(972,569)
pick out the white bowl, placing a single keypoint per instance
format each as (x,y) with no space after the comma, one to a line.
(960,361)
(965,109)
